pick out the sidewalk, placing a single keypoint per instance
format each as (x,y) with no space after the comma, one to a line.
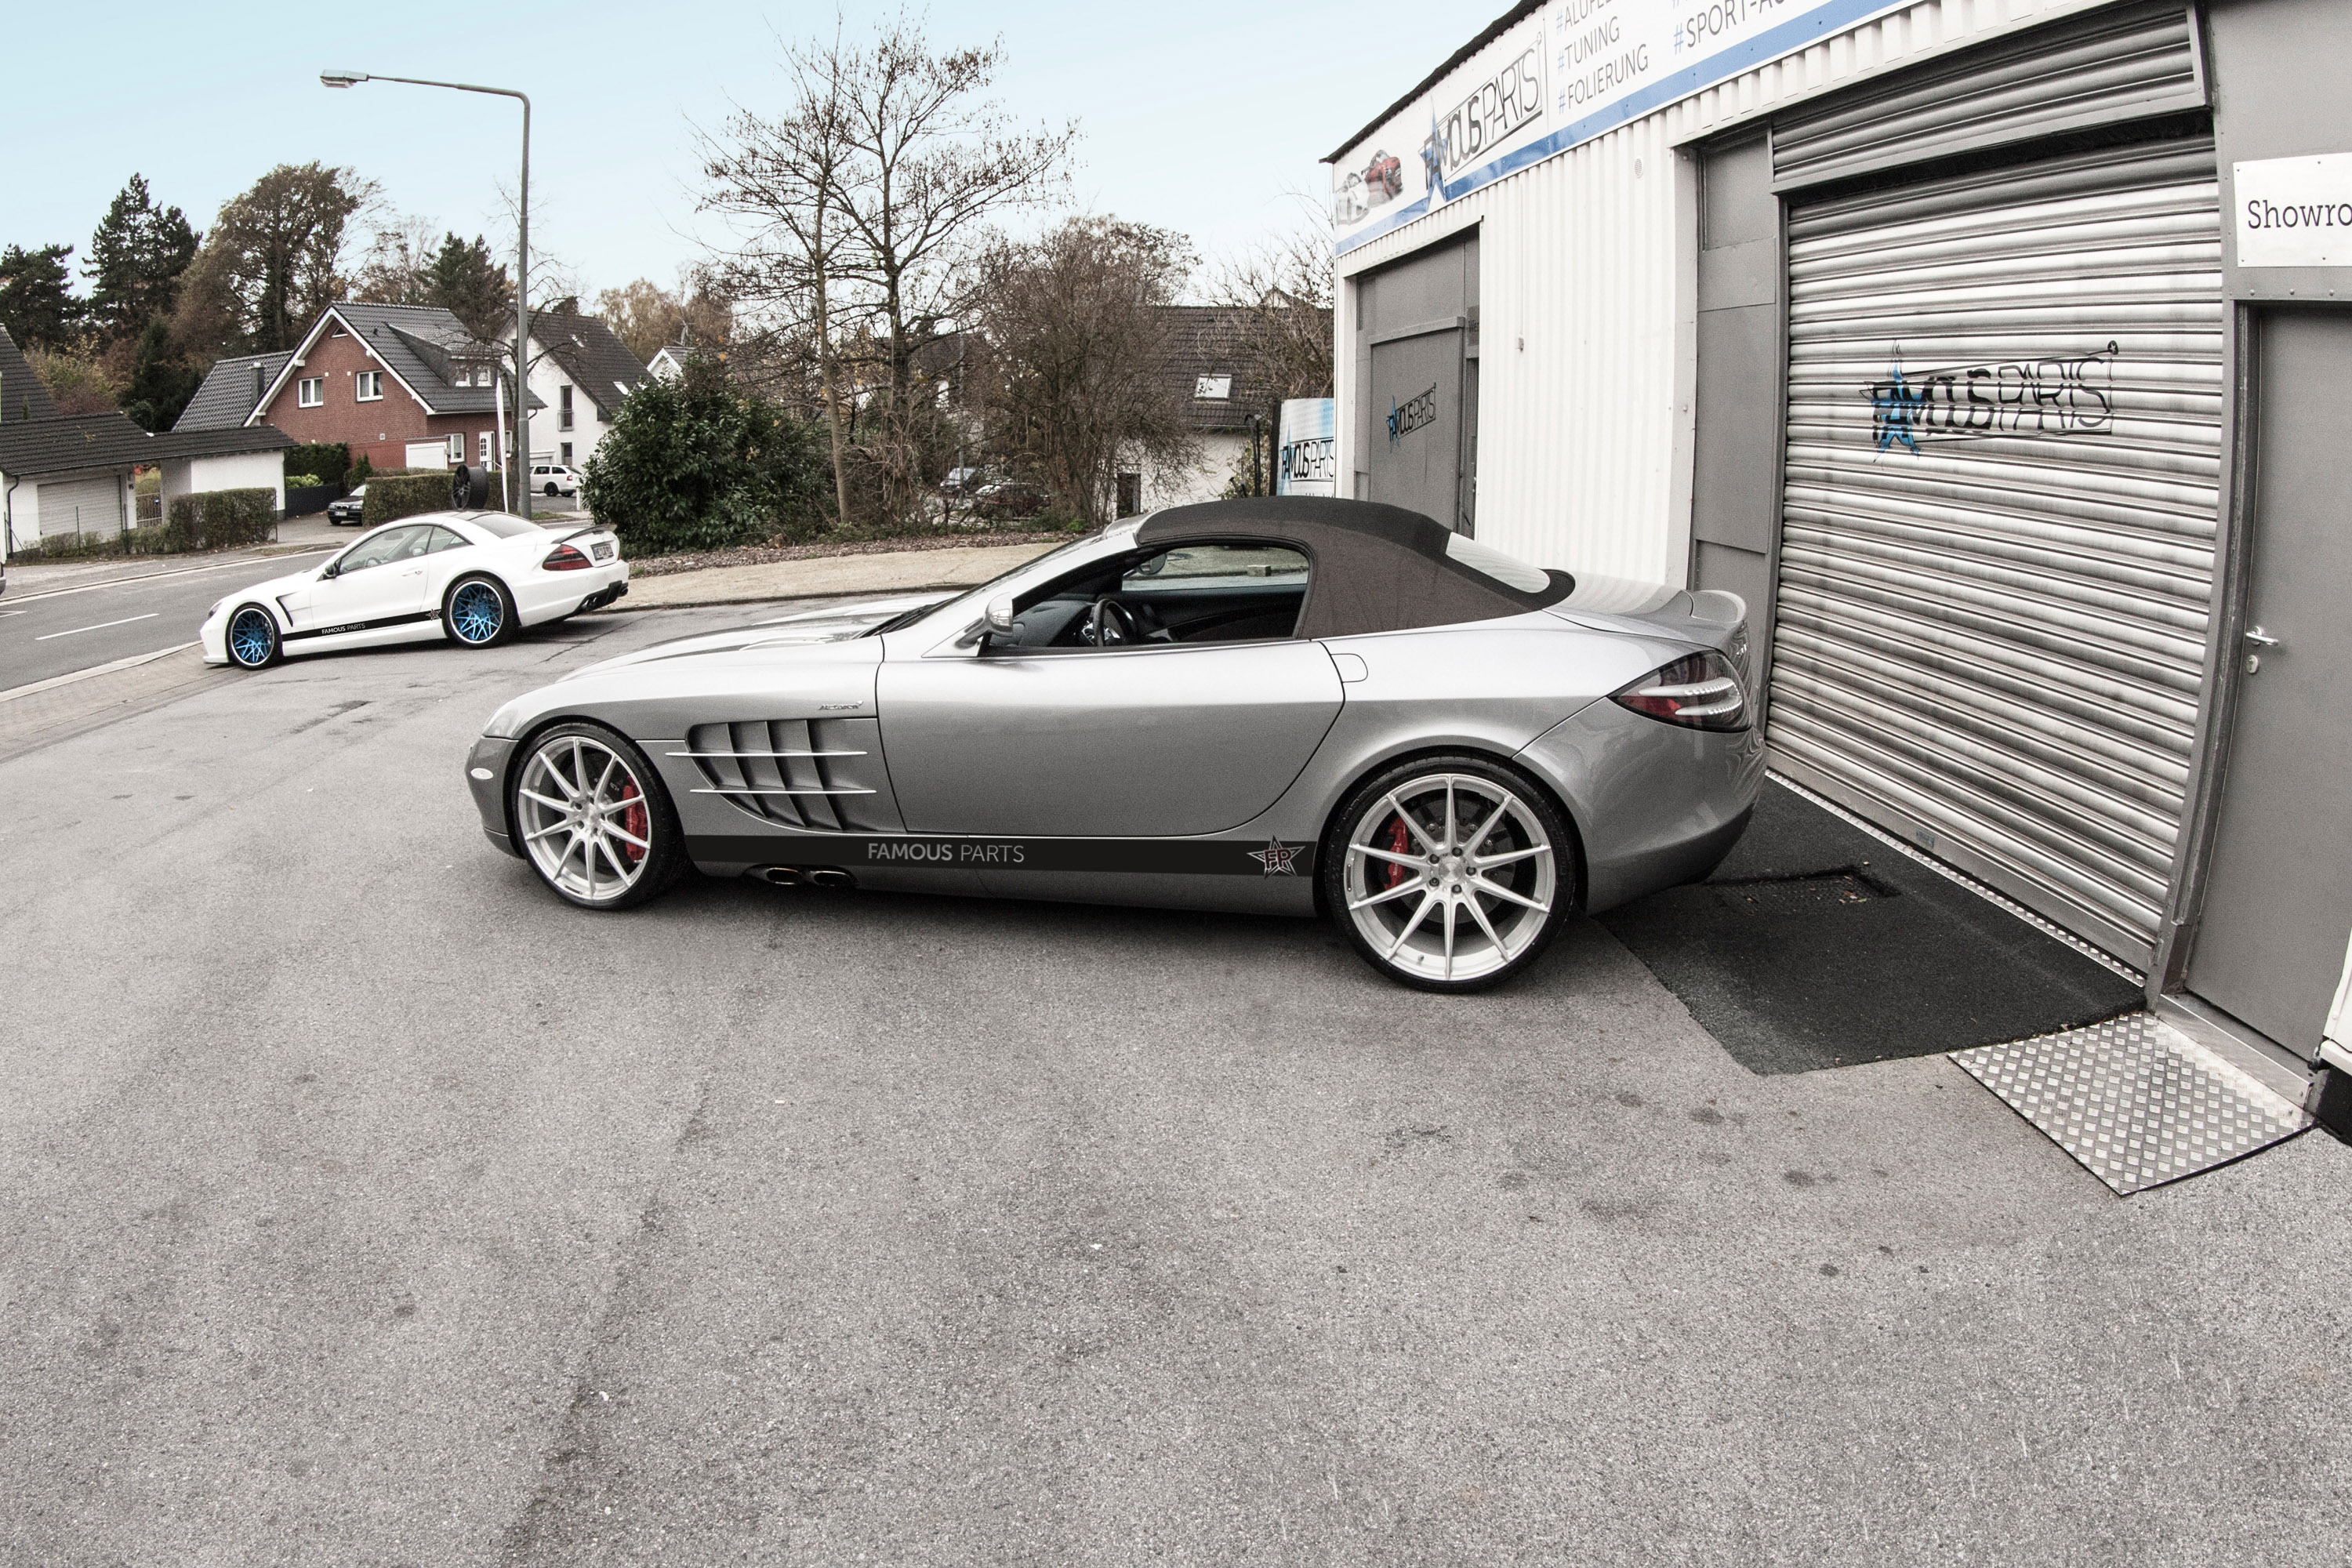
(830,576)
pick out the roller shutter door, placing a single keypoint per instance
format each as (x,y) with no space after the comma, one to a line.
(2004,447)
(82,506)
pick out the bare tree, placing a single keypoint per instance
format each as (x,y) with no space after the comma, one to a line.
(932,162)
(397,265)
(783,179)
(1281,291)
(1075,381)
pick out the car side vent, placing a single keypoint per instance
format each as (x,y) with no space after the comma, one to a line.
(821,773)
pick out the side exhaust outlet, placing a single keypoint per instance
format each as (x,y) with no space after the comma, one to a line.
(783,875)
(829,878)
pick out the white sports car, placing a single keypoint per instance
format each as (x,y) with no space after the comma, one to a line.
(471,577)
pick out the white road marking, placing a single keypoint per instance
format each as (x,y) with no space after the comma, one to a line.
(101,626)
(159,576)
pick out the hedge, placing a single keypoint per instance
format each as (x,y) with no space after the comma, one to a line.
(392,497)
(331,461)
(213,520)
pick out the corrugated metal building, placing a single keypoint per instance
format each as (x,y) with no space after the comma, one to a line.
(1986,348)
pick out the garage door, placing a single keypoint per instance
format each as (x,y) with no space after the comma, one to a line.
(427,454)
(2004,446)
(82,506)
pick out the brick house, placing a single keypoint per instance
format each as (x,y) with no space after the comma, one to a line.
(406,386)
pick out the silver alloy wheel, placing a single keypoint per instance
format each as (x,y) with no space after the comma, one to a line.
(581,812)
(1450,877)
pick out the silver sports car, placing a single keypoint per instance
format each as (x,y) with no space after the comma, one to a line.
(1283,705)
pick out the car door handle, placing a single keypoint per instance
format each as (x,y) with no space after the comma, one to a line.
(2256,635)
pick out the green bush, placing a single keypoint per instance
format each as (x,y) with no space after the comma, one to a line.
(329,461)
(390,496)
(697,464)
(303,481)
(214,520)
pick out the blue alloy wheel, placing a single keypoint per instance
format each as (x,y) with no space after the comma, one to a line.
(252,639)
(477,613)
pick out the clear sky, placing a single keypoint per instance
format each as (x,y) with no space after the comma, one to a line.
(1204,119)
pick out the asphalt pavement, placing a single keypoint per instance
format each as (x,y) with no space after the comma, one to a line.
(81,620)
(367,1206)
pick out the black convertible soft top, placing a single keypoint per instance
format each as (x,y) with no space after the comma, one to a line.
(1376,568)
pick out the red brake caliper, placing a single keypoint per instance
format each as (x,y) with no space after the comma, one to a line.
(633,823)
(1399,843)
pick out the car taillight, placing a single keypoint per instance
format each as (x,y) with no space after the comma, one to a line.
(566,559)
(1701,692)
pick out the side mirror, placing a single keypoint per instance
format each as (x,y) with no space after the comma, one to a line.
(326,571)
(1000,615)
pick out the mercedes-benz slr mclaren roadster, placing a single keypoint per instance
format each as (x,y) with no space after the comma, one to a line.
(1282,706)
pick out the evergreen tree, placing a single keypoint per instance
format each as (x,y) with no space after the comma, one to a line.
(136,259)
(161,382)
(465,281)
(36,305)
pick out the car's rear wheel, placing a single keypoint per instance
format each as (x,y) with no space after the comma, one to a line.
(252,639)
(592,817)
(479,612)
(1449,873)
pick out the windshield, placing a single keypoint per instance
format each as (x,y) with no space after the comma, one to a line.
(499,525)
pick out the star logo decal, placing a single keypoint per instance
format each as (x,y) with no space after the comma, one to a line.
(1276,857)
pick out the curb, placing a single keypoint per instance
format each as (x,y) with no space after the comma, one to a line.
(57,681)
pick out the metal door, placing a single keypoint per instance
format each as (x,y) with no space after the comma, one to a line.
(2278,893)
(2002,456)
(1130,743)
(1417,423)
(1417,322)
(92,508)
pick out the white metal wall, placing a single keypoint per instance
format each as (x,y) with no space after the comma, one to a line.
(1585,320)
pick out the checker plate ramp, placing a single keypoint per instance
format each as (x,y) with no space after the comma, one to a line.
(2134,1100)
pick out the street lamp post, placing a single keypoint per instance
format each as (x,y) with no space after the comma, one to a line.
(518,492)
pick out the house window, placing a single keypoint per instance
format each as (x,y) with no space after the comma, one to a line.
(310,392)
(1130,494)
(371,385)
(1213,388)
(457,448)
(488,439)
(563,408)
(567,454)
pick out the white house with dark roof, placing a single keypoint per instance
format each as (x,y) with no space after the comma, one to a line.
(69,476)
(579,371)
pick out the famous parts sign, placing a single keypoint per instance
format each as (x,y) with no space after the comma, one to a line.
(1309,462)
(1566,72)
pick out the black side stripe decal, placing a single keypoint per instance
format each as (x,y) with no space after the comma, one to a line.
(913,851)
(349,627)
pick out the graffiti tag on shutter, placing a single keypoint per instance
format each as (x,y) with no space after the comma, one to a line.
(2023,397)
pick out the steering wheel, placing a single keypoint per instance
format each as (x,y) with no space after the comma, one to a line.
(1112,622)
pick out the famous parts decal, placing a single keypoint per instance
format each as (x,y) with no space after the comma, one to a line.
(1309,455)
(1560,77)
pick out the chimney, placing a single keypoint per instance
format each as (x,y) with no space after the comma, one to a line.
(260,384)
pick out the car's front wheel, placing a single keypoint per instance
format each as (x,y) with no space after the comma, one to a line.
(479,612)
(551,487)
(593,819)
(252,639)
(1449,873)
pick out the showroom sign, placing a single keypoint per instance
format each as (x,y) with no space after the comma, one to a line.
(1560,76)
(2293,211)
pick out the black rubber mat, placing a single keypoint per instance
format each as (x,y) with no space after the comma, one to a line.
(1815,946)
